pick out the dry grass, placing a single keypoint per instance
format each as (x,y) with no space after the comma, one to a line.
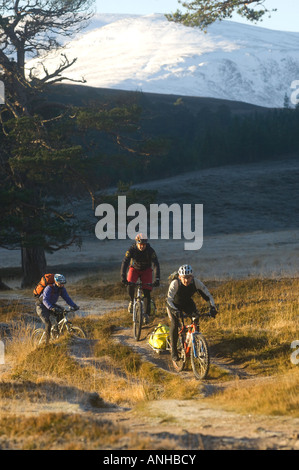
(273,396)
(93,289)
(62,431)
(257,322)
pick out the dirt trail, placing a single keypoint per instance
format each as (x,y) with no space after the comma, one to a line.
(165,424)
(195,424)
(168,424)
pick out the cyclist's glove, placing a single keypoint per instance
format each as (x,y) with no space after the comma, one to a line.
(213,312)
(124,282)
(76,308)
(56,309)
(156,283)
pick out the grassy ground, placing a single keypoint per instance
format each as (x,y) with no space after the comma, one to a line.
(257,322)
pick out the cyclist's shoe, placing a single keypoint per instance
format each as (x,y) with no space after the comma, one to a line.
(177,363)
(130,307)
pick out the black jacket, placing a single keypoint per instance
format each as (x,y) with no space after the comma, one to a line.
(140,260)
(178,294)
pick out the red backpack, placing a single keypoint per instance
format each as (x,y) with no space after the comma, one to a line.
(45,281)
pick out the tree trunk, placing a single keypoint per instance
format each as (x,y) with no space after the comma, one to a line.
(34,265)
(3,286)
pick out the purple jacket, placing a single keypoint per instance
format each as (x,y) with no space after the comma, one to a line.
(51,294)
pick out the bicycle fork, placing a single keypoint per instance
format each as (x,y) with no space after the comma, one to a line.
(190,342)
(198,352)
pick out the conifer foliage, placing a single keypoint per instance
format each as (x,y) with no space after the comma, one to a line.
(41,163)
(202,13)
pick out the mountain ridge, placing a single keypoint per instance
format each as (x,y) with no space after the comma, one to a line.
(147,53)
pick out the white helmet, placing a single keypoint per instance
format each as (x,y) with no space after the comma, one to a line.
(185,270)
(60,278)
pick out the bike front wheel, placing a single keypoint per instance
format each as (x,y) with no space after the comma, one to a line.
(73,331)
(180,364)
(76,332)
(200,356)
(137,319)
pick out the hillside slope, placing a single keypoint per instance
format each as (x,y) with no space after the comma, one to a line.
(147,53)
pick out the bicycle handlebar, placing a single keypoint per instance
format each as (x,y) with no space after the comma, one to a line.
(64,310)
(193,318)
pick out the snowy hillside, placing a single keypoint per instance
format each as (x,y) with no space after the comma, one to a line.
(147,53)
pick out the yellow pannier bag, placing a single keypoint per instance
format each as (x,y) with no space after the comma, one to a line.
(159,338)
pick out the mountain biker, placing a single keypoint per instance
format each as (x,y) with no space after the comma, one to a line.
(46,303)
(179,300)
(139,258)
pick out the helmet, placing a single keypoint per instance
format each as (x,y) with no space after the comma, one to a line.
(60,279)
(141,238)
(185,270)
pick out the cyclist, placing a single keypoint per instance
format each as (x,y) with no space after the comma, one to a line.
(139,258)
(46,303)
(179,300)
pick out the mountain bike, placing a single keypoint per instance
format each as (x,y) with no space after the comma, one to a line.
(64,326)
(138,308)
(192,344)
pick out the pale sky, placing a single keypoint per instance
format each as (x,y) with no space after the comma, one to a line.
(285,19)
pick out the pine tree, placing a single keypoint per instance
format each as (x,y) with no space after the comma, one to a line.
(202,13)
(29,28)
(40,163)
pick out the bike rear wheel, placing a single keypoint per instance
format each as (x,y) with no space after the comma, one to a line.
(200,356)
(137,319)
(39,336)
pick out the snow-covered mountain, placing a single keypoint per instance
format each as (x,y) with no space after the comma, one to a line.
(147,53)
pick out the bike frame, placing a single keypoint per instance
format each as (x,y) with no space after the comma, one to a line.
(59,327)
(138,296)
(189,342)
(64,321)
(193,329)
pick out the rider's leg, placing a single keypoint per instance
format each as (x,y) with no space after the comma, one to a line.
(146,277)
(132,277)
(173,333)
(44,315)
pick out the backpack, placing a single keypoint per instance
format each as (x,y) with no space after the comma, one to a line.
(159,338)
(172,277)
(45,281)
